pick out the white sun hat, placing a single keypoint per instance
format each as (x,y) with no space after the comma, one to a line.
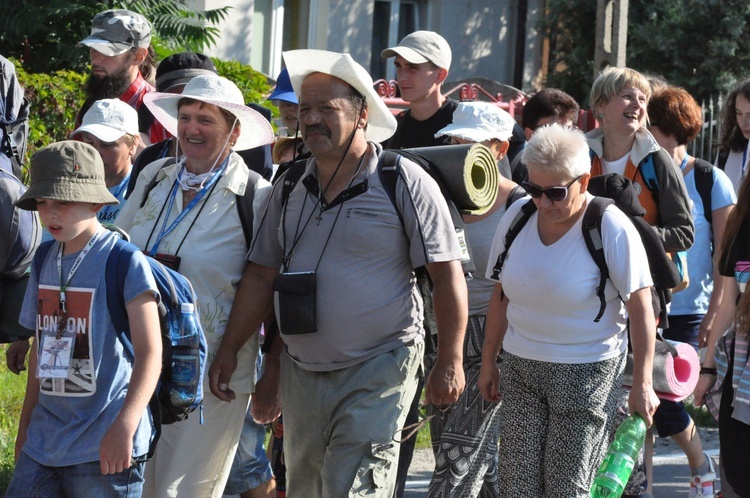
(300,63)
(108,120)
(479,121)
(255,130)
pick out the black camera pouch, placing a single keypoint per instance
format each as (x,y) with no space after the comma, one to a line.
(297,297)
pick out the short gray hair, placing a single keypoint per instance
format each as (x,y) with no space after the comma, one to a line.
(558,149)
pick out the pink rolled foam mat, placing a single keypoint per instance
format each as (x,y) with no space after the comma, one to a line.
(676,370)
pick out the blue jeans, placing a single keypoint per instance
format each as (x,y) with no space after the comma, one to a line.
(85,480)
(250,467)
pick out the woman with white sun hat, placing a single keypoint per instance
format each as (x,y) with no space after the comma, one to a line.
(185,213)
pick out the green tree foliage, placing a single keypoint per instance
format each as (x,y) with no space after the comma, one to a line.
(56,97)
(43,33)
(570,26)
(700,45)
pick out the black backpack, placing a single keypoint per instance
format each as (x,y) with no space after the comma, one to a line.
(704,183)
(618,190)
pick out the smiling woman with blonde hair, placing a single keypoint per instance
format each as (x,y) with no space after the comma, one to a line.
(623,144)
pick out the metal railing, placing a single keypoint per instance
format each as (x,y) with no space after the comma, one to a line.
(704,144)
(388,91)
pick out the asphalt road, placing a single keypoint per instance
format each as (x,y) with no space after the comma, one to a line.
(671,476)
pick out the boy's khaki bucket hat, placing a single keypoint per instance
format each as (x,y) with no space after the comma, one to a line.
(68,171)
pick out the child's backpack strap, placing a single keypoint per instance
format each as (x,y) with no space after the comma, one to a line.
(592,235)
(40,256)
(514,229)
(118,263)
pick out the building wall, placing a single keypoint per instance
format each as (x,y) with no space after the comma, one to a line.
(236,41)
(482,34)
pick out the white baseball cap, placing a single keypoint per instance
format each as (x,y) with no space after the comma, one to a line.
(108,120)
(420,47)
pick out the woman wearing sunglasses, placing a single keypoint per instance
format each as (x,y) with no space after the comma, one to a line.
(560,370)
(622,144)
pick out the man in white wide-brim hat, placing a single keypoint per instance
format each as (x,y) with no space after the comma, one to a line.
(340,256)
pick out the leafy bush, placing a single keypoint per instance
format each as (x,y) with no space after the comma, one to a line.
(56,98)
(253,84)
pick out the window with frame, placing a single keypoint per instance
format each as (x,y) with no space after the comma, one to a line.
(392,20)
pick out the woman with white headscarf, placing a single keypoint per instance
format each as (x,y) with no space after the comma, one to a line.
(185,214)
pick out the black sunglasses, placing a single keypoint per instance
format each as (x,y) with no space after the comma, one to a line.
(553,193)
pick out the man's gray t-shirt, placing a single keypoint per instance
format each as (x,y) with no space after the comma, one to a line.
(367,301)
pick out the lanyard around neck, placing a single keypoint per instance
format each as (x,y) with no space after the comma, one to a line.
(166,230)
(76,265)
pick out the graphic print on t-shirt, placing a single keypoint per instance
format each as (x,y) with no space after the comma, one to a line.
(742,274)
(81,380)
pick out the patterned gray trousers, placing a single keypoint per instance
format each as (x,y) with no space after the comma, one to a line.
(464,438)
(556,422)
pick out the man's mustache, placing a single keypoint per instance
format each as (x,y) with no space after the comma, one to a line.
(322,129)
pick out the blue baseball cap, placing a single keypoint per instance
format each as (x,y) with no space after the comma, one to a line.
(284,90)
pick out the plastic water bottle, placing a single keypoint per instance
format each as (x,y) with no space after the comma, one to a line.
(185,359)
(617,466)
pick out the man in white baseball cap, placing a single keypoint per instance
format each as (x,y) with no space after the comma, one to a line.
(348,307)
(422,60)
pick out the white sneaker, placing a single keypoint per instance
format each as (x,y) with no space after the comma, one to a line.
(704,485)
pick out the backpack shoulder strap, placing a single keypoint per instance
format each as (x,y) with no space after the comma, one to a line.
(722,159)
(592,235)
(118,262)
(290,178)
(517,193)
(389,169)
(704,184)
(514,229)
(648,172)
(167,161)
(245,206)
(41,255)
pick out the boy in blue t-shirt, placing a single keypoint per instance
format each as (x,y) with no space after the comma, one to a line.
(84,420)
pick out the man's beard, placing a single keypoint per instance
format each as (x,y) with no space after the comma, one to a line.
(107,87)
